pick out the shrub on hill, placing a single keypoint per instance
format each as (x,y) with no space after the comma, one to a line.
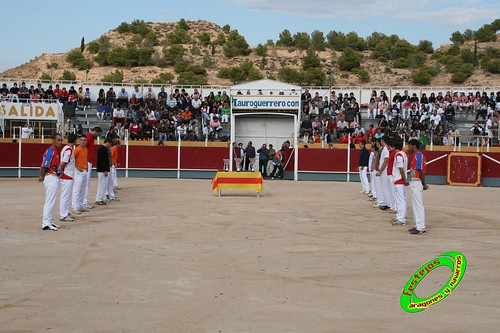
(244,72)
(113,77)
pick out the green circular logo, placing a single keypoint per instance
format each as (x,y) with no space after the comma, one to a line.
(454,260)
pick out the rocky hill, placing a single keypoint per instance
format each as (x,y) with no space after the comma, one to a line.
(212,58)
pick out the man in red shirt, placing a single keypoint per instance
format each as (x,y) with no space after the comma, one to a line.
(50,178)
(417,186)
(91,155)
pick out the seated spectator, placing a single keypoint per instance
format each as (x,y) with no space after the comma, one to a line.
(122,98)
(187,115)
(130,115)
(171,103)
(118,116)
(64,97)
(23,93)
(86,98)
(162,134)
(181,130)
(57,90)
(196,105)
(360,136)
(14,93)
(79,98)
(448,140)
(163,94)
(147,131)
(27,131)
(100,109)
(101,96)
(305,127)
(134,102)
(141,116)
(111,134)
(139,95)
(108,112)
(216,127)
(41,93)
(135,131)
(151,118)
(78,128)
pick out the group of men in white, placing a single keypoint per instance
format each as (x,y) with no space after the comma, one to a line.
(70,168)
(390,173)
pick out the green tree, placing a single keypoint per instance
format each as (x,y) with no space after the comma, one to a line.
(318,40)
(139,27)
(382,51)
(261,50)
(173,54)
(424,75)
(426,46)
(301,40)
(453,51)
(226,28)
(183,24)
(221,39)
(244,72)
(163,78)
(123,27)
(495,25)
(68,76)
(236,45)
(493,66)
(189,78)
(93,47)
(467,56)
(468,35)
(402,49)
(485,34)
(349,59)
(375,38)
(285,39)
(74,57)
(314,76)
(178,36)
(82,44)
(362,74)
(311,60)
(457,38)
(151,39)
(336,40)
(290,75)
(45,77)
(113,77)
(355,42)
(204,38)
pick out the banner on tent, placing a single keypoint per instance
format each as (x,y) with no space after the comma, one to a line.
(33,111)
(265,103)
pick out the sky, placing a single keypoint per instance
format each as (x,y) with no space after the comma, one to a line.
(56,27)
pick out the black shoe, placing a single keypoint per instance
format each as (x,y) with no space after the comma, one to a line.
(412,229)
(416,232)
(49,227)
(384,207)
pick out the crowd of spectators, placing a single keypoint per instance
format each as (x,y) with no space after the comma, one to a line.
(428,119)
(337,118)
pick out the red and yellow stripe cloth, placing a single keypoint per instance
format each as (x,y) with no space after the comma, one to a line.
(237,181)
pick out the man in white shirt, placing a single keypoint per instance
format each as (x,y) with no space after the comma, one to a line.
(119,116)
(26,131)
(123,98)
(196,104)
(488,129)
(67,171)
(399,172)
(138,95)
(436,117)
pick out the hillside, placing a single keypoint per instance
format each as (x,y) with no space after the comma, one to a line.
(212,58)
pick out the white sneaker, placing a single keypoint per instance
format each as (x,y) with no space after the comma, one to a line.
(49,227)
(88,206)
(77,212)
(83,209)
(118,188)
(68,218)
(55,225)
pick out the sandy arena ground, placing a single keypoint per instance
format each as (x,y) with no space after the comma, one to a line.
(304,257)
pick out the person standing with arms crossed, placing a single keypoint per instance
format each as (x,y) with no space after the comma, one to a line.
(417,186)
(91,156)
(50,179)
(103,169)
(399,172)
(263,158)
(67,171)
(364,157)
(80,179)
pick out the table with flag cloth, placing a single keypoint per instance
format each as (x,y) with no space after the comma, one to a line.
(237,181)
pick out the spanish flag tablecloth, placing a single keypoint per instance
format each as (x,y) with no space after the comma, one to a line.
(237,181)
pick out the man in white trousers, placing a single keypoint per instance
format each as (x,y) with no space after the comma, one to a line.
(417,186)
(372,170)
(385,183)
(91,156)
(67,172)
(399,172)
(103,168)
(80,179)
(364,157)
(50,179)
(114,159)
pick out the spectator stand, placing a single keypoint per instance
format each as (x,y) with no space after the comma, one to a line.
(265,111)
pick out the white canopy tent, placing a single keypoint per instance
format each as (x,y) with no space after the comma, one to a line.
(271,112)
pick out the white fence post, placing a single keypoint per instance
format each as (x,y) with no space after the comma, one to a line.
(19,158)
